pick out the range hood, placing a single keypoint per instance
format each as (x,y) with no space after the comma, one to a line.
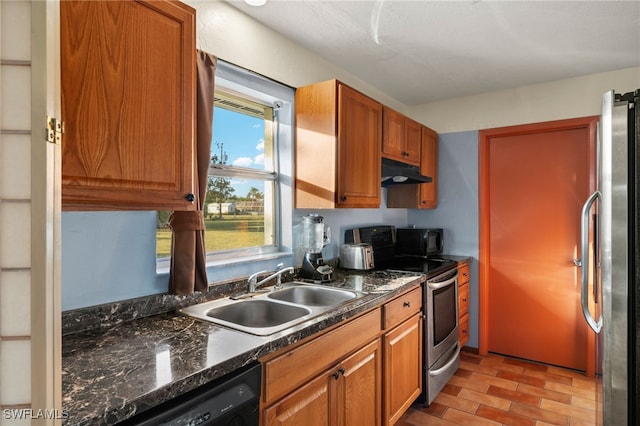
(397,173)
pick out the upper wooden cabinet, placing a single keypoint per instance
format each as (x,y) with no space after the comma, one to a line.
(400,137)
(429,167)
(424,195)
(128,105)
(338,145)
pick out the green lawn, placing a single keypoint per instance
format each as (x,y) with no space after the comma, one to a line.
(222,234)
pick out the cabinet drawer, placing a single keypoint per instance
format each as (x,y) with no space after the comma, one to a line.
(463,273)
(464,329)
(463,299)
(398,310)
(293,368)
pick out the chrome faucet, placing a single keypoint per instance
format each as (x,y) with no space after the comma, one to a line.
(253,279)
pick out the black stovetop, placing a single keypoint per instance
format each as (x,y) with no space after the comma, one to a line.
(419,264)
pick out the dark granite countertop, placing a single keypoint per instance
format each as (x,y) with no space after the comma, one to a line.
(111,374)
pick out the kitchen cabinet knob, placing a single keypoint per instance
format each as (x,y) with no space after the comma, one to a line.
(190,197)
(407,304)
(343,198)
(338,373)
(464,299)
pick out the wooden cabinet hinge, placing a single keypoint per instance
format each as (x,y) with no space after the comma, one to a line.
(55,129)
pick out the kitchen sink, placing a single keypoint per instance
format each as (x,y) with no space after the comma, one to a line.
(313,295)
(267,313)
(258,313)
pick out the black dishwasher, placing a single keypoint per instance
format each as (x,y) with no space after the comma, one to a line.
(232,400)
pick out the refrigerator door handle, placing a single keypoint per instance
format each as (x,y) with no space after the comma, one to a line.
(584,273)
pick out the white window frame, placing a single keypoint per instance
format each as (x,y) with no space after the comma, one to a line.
(239,81)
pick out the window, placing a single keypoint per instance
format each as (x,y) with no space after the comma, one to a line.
(250,155)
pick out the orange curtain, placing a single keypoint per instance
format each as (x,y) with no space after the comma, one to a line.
(188,253)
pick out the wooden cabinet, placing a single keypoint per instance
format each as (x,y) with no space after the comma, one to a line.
(338,144)
(424,195)
(367,371)
(400,137)
(334,379)
(402,353)
(128,105)
(429,167)
(346,394)
(463,302)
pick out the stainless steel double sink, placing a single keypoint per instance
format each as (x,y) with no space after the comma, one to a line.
(267,312)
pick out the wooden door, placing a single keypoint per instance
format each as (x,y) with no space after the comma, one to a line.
(412,141)
(310,404)
(402,368)
(534,181)
(128,102)
(359,146)
(360,390)
(393,135)
(429,167)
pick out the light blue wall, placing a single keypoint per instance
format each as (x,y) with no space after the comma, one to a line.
(457,209)
(110,256)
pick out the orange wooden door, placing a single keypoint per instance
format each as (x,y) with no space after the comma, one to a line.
(534,182)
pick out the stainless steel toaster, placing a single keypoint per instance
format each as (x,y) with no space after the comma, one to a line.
(357,256)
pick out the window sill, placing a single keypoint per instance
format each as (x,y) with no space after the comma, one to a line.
(163,266)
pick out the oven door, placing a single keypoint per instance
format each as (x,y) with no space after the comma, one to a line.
(442,314)
(442,351)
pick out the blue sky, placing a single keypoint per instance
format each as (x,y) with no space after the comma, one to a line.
(242,139)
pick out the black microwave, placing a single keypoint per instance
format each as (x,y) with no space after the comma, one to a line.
(419,241)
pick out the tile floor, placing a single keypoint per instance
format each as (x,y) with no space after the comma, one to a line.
(496,390)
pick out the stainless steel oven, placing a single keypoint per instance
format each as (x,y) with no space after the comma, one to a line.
(441,328)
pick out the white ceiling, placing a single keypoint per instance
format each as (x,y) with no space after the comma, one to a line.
(421,51)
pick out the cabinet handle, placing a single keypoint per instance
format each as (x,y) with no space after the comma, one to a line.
(464,299)
(343,198)
(338,373)
(406,304)
(190,197)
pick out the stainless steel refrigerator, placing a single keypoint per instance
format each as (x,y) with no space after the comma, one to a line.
(611,261)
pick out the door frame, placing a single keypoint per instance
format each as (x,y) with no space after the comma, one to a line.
(484,138)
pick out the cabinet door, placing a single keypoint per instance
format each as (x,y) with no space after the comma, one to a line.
(359,146)
(402,368)
(128,103)
(393,134)
(429,167)
(413,138)
(309,405)
(360,394)
(464,330)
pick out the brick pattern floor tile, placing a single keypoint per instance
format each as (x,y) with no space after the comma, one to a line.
(498,390)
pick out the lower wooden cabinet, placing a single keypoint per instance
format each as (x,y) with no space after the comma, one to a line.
(347,394)
(311,401)
(463,302)
(402,367)
(364,372)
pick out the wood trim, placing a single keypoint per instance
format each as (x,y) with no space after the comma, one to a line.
(46,335)
(484,140)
